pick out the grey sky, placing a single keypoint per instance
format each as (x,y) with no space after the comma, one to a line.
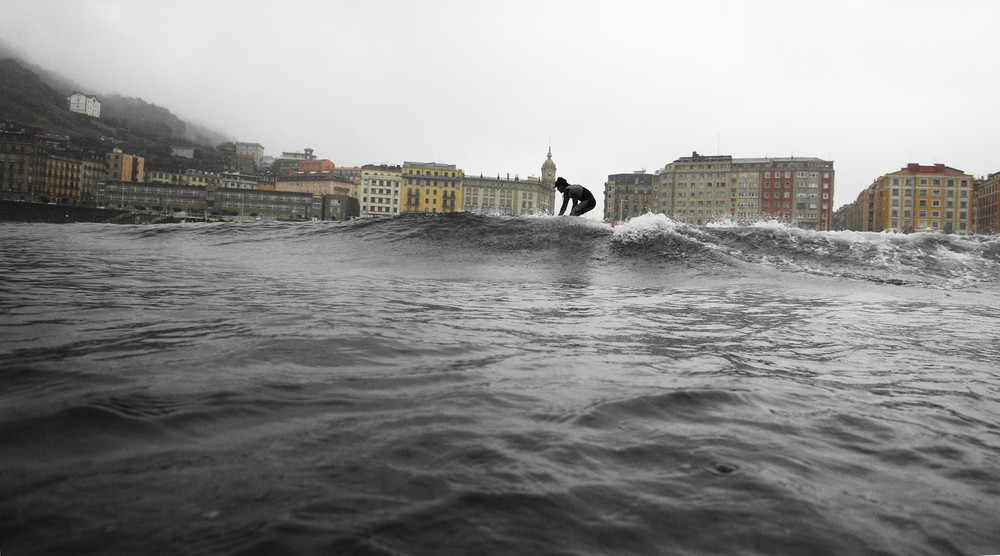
(614,86)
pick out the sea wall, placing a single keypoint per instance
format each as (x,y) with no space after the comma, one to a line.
(14,211)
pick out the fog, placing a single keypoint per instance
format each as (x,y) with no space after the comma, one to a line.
(612,87)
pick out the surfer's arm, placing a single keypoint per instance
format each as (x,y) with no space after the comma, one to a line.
(565,202)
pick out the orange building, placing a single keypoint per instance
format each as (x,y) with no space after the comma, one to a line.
(125,167)
(316,165)
(924,199)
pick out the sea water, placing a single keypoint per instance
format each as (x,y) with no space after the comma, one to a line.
(464,384)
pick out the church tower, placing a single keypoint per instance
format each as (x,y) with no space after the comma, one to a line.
(549,171)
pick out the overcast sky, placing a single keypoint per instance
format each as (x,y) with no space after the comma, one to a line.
(612,86)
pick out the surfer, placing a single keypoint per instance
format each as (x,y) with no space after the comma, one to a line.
(583,199)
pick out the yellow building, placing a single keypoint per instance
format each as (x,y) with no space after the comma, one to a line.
(63,179)
(924,199)
(987,205)
(431,188)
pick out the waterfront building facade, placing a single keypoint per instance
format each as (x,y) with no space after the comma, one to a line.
(380,186)
(84,104)
(860,215)
(921,198)
(92,167)
(125,167)
(22,162)
(987,194)
(214,202)
(693,189)
(700,189)
(506,196)
(630,195)
(796,190)
(430,187)
(148,196)
(339,207)
(63,179)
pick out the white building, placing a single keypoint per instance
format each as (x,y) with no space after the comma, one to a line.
(84,104)
(254,150)
(235,180)
(380,190)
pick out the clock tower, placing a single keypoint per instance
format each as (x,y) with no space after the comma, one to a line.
(549,171)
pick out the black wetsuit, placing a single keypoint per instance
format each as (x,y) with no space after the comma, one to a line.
(583,199)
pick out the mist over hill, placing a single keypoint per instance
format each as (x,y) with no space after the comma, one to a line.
(34,96)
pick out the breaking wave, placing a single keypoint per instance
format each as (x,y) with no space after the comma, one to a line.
(922,259)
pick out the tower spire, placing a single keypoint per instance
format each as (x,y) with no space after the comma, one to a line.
(549,169)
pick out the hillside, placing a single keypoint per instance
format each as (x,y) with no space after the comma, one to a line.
(130,123)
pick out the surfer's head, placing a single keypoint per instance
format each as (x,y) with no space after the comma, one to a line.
(561,183)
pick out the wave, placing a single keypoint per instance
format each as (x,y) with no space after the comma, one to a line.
(922,259)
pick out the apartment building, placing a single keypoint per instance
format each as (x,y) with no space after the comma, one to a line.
(380,186)
(920,198)
(430,187)
(630,195)
(236,180)
(22,162)
(860,215)
(125,167)
(289,161)
(255,152)
(692,189)
(795,190)
(987,194)
(700,189)
(63,178)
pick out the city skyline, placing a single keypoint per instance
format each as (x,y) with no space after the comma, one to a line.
(611,87)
